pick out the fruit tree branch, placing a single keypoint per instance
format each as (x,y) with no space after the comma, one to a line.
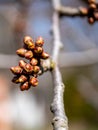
(60,121)
(68,11)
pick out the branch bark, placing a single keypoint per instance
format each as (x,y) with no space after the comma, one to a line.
(60,121)
(70,11)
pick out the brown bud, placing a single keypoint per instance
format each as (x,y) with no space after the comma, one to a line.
(96,15)
(84,11)
(24,86)
(28,41)
(38,50)
(39,42)
(22,79)
(44,55)
(21,52)
(91,1)
(16,70)
(91,20)
(33,81)
(29,54)
(22,63)
(34,61)
(28,68)
(15,79)
(36,69)
(92,6)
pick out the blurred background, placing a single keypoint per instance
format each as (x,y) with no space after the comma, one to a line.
(78,61)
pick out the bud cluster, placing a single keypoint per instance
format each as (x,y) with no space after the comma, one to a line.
(26,73)
(92,11)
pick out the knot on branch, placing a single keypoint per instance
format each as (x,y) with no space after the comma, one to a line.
(53,108)
(59,122)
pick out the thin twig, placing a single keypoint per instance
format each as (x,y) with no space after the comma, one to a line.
(60,121)
(70,11)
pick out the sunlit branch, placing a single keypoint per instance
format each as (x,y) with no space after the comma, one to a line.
(57,107)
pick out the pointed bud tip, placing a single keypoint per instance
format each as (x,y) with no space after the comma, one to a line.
(91,20)
(27,38)
(29,43)
(22,79)
(22,63)
(36,69)
(38,50)
(24,86)
(29,54)
(91,1)
(16,70)
(33,81)
(34,61)
(21,52)
(28,68)
(39,41)
(45,55)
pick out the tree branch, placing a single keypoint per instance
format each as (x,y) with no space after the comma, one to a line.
(68,11)
(60,121)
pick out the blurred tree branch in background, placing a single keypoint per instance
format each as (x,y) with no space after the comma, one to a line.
(84,84)
(73,59)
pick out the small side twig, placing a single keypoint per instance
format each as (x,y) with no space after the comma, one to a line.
(69,11)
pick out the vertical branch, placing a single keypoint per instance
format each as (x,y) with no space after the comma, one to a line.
(57,107)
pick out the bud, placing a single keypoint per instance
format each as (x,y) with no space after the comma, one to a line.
(33,81)
(29,54)
(84,11)
(16,70)
(21,52)
(44,55)
(28,68)
(39,42)
(91,1)
(38,50)
(28,41)
(91,20)
(96,15)
(22,63)
(92,6)
(34,61)
(36,69)
(15,79)
(24,86)
(22,79)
